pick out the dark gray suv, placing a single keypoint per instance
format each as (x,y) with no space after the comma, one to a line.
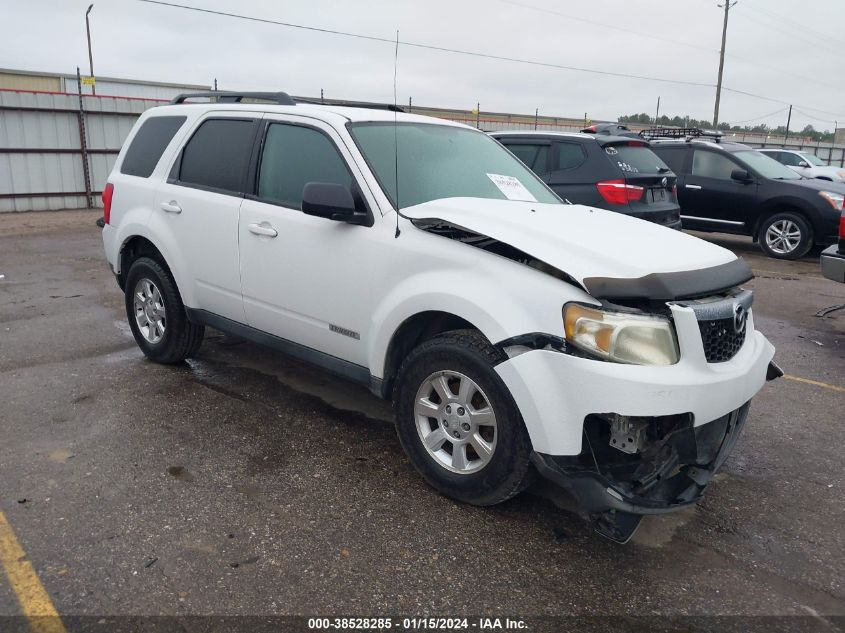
(608,171)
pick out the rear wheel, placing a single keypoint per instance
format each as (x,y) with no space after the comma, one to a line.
(156,314)
(785,236)
(457,421)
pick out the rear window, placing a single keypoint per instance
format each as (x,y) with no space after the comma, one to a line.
(217,155)
(635,159)
(148,144)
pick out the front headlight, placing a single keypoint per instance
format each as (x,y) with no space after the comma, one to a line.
(836,200)
(619,337)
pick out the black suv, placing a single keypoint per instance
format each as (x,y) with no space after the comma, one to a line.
(608,171)
(728,187)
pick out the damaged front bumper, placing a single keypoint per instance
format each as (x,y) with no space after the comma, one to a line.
(670,466)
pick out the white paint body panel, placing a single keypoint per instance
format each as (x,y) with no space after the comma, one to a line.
(582,241)
(318,273)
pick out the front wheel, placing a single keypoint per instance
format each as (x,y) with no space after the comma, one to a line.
(785,236)
(156,314)
(457,421)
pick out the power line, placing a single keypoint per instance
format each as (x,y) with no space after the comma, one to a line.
(374,38)
(392,42)
(641,34)
(783,18)
(604,25)
(776,24)
(760,118)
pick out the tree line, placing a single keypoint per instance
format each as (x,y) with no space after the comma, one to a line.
(761,128)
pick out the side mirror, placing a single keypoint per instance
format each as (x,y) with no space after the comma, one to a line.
(803,164)
(330,201)
(741,175)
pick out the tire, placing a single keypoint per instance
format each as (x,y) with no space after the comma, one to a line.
(500,469)
(156,314)
(775,232)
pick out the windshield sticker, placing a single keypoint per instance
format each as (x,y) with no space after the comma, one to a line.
(626,167)
(511,187)
(611,151)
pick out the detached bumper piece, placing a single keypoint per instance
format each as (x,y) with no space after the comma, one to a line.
(664,465)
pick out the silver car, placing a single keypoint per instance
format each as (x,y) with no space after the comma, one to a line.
(807,164)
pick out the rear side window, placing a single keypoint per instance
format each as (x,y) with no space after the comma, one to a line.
(534,156)
(148,144)
(635,159)
(293,156)
(712,165)
(217,155)
(569,155)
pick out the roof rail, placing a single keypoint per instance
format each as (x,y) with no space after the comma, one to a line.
(280,98)
(687,133)
(350,104)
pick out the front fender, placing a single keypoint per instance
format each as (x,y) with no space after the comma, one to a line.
(515,300)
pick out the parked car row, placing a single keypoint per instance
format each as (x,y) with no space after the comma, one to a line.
(672,176)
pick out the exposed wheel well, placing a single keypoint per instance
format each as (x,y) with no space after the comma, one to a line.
(413,331)
(134,248)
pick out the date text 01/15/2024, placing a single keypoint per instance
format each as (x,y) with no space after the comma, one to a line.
(416,624)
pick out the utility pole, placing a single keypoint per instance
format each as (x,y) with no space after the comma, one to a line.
(90,56)
(536,114)
(728,4)
(788,121)
(657,112)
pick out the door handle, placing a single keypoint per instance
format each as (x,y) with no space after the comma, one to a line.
(262,229)
(692,186)
(171,207)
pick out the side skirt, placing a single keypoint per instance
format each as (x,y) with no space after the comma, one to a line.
(337,366)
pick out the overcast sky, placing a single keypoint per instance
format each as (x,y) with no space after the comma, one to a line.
(784,50)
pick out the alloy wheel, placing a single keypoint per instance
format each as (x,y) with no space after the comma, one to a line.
(455,421)
(783,236)
(150,314)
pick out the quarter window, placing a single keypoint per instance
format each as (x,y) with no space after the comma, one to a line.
(217,155)
(293,156)
(712,165)
(148,144)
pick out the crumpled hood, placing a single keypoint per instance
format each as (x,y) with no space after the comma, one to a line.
(581,241)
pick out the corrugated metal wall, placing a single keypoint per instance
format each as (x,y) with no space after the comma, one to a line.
(41,158)
(42,165)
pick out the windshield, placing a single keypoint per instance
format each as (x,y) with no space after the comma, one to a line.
(444,161)
(766,166)
(813,160)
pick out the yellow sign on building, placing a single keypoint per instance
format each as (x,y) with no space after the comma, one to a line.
(89,81)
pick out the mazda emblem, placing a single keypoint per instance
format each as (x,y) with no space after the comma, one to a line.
(740,316)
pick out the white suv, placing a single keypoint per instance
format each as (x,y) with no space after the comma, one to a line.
(514,333)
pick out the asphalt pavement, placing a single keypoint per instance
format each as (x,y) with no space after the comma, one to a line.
(246,483)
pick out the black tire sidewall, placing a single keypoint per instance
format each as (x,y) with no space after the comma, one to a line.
(804,245)
(501,477)
(145,267)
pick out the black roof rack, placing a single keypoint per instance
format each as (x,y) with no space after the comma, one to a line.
(687,133)
(280,98)
(350,104)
